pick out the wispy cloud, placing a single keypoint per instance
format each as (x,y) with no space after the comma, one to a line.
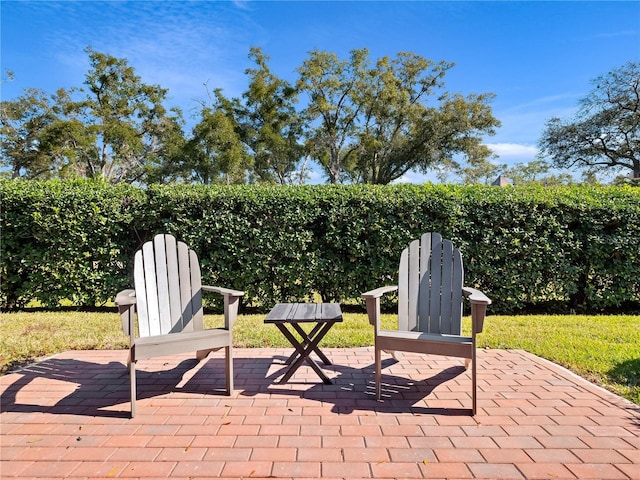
(523,123)
(417,178)
(242,4)
(622,33)
(513,151)
(547,102)
(179,45)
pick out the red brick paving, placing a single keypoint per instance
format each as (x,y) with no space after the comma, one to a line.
(67,417)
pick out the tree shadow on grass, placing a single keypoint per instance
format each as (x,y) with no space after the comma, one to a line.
(627,373)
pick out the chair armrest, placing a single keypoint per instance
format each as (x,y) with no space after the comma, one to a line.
(476,296)
(479,302)
(378,292)
(231,302)
(126,297)
(372,300)
(222,291)
(126,301)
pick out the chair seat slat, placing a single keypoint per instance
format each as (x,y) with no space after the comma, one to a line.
(151,286)
(175,302)
(162,282)
(403,291)
(141,295)
(435,284)
(184,278)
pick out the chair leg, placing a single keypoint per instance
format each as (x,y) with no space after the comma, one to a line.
(394,354)
(132,377)
(202,354)
(229,369)
(474,387)
(378,356)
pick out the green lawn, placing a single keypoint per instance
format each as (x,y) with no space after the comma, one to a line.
(603,349)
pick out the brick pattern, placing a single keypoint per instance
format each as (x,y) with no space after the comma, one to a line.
(67,417)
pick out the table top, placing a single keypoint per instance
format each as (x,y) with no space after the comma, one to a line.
(304,312)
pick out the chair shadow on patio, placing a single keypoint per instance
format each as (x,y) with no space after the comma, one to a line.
(353,388)
(79,387)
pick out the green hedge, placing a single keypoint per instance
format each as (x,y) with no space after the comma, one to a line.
(530,249)
(66,241)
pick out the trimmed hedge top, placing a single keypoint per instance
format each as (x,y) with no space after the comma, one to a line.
(549,249)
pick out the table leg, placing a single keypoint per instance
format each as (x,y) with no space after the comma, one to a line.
(304,350)
(306,340)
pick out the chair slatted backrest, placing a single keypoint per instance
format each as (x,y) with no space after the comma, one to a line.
(430,286)
(168,287)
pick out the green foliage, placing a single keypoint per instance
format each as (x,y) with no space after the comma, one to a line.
(373,124)
(66,241)
(538,172)
(362,123)
(575,247)
(255,237)
(334,112)
(215,153)
(269,123)
(22,122)
(529,249)
(604,135)
(116,128)
(127,116)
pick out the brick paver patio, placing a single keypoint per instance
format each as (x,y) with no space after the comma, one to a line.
(67,417)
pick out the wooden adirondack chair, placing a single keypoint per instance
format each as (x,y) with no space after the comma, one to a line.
(168,301)
(430,291)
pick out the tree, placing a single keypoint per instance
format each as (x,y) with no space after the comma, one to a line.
(68,142)
(605,133)
(269,123)
(23,121)
(331,84)
(215,153)
(536,172)
(482,173)
(126,117)
(162,166)
(117,129)
(404,129)
(377,123)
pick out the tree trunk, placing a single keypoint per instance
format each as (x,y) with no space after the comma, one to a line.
(333,169)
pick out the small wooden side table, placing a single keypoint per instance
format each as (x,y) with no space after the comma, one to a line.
(288,317)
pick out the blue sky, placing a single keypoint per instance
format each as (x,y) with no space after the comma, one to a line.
(537,57)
